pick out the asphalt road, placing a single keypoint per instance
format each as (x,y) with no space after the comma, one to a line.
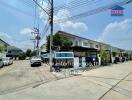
(105,83)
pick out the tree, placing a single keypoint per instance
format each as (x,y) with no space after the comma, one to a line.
(28,52)
(114,54)
(130,55)
(34,53)
(2,48)
(59,42)
(22,55)
(104,56)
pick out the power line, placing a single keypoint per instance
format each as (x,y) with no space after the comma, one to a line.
(94,11)
(41,7)
(45,29)
(27,3)
(16,9)
(76,5)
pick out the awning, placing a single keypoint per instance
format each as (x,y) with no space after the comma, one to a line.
(79,48)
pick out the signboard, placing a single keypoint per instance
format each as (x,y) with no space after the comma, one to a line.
(64,55)
(117,11)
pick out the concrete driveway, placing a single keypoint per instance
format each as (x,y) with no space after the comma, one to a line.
(105,83)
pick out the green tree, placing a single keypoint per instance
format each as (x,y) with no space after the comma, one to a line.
(114,54)
(2,48)
(130,55)
(22,56)
(28,52)
(104,56)
(34,53)
(59,42)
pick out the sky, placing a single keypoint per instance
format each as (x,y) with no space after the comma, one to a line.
(18,18)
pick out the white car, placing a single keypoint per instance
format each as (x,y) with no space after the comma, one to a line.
(10,60)
(36,61)
(7,61)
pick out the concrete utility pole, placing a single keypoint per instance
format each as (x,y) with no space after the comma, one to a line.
(36,39)
(51,14)
(51,36)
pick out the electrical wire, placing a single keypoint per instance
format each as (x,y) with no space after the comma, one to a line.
(28,3)
(45,30)
(40,7)
(94,11)
(76,5)
(16,9)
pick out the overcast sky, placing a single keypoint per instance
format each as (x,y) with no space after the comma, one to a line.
(17,19)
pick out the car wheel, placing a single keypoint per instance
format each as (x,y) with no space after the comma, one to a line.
(31,65)
(1,66)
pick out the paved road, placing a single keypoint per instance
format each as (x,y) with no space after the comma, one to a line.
(20,75)
(105,83)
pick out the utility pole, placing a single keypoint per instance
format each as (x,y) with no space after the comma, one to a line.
(36,39)
(51,35)
(51,14)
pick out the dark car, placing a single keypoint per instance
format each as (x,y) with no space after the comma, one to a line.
(1,63)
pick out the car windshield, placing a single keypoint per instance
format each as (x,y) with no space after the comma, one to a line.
(36,57)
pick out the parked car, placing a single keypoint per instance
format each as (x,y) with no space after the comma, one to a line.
(10,60)
(7,61)
(36,60)
(1,63)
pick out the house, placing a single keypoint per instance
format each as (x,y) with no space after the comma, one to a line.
(4,43)
(89,47)
(13,52)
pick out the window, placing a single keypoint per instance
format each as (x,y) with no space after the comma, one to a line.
(76,43)
(9,51)
(97,46)
(86,44)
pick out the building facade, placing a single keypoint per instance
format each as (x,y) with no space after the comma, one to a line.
(86,50)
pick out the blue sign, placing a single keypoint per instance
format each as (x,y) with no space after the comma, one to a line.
(117,11)
(64,55)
